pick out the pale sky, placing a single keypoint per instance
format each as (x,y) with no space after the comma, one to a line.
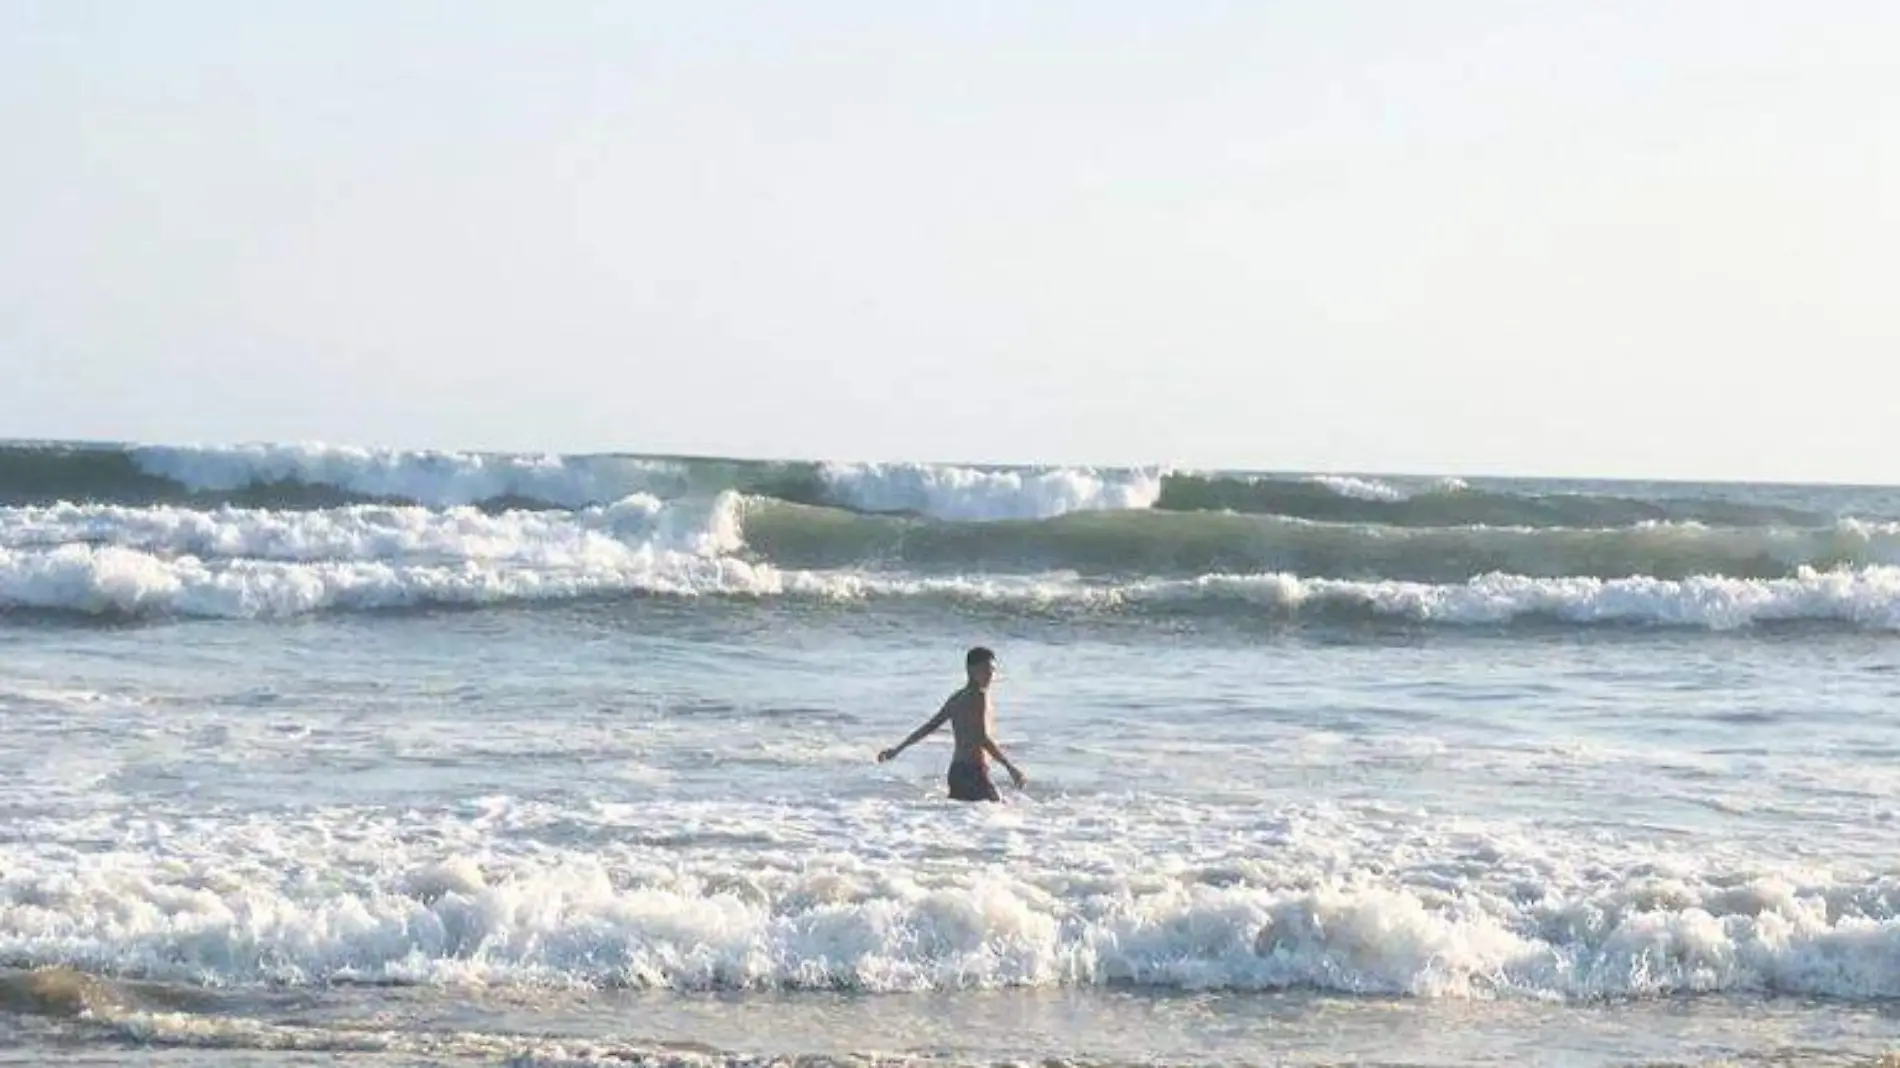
(1589,238)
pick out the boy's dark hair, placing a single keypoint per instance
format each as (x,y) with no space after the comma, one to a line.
(978,655)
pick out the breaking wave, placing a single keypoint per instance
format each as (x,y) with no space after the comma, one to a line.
(113,581)
(1434,925)
(273,531)
(297,476)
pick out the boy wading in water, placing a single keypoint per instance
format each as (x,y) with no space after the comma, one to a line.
(971,718)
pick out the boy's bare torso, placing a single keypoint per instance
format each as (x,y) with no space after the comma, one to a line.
(971,722)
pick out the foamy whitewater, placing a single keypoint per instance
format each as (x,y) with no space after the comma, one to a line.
(454,758)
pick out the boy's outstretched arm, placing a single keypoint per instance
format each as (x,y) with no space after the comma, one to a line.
(917,735)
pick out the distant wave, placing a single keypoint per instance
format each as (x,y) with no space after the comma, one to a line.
(295,476)
(1123,545)
(291,476)
(430,478)
(118,582)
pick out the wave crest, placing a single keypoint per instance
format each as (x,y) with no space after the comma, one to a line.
(305,476)
(971,494)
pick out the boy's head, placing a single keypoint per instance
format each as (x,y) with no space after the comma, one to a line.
(980,664)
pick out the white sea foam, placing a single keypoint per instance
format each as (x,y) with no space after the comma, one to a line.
(426,477)
(1867,596)
(125,581)
(1183,897)
(374,532)
(1363,489)
(259,563)
(971,494)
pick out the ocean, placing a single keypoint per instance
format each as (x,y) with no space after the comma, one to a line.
(316,753)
